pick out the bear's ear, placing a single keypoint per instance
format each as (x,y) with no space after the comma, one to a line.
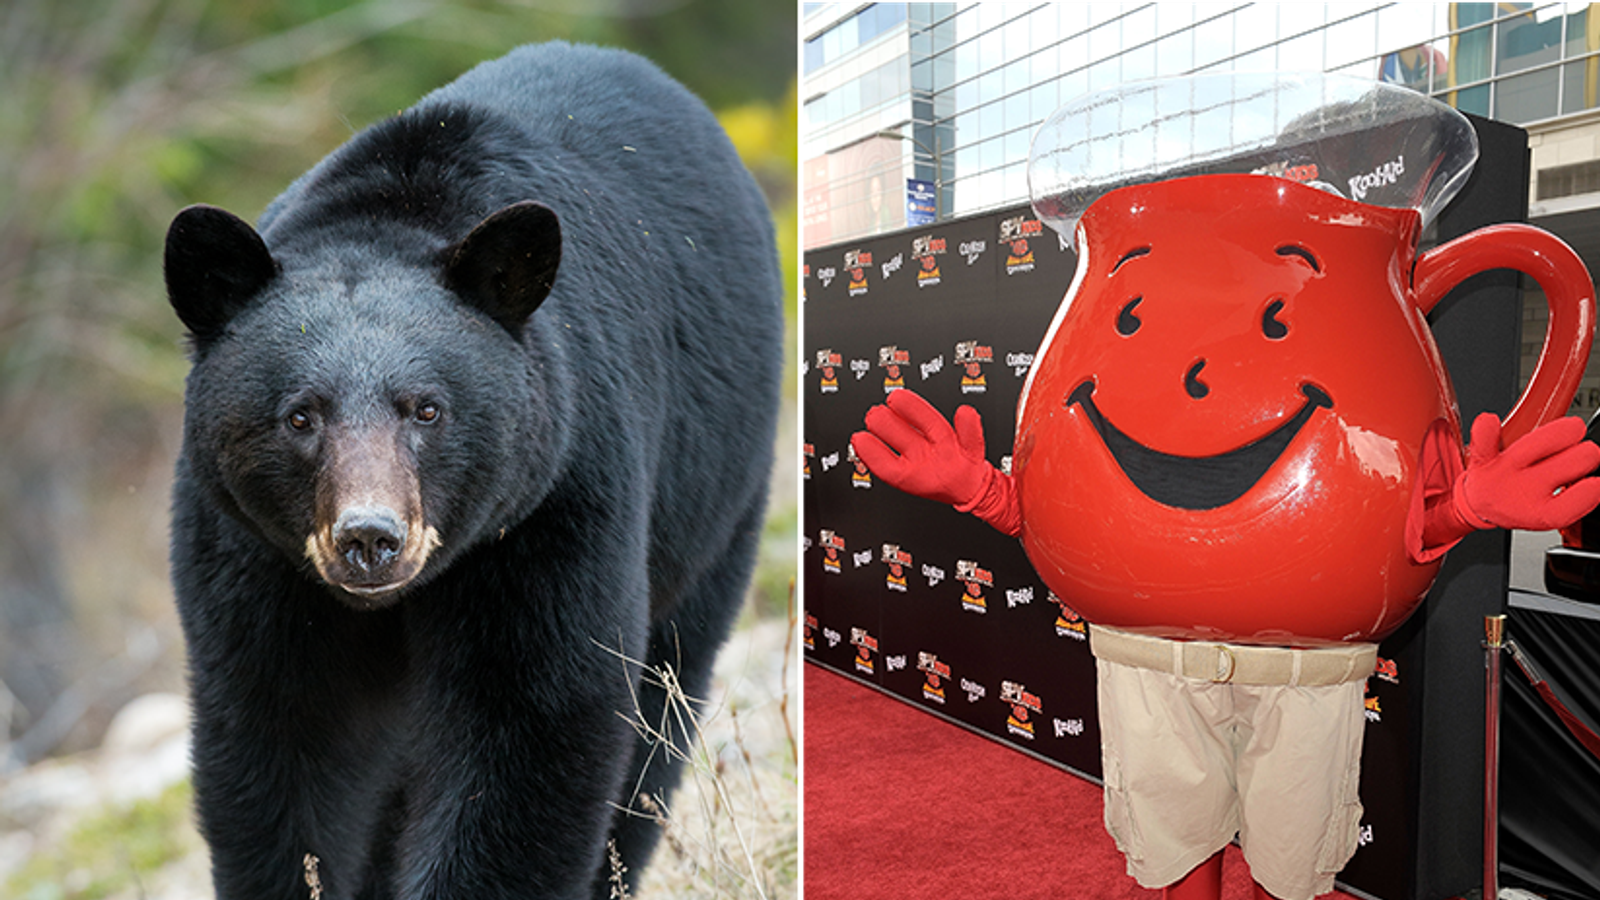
(506,266)
(215,265)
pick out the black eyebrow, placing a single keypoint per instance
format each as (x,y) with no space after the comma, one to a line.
(1303,253)
(1131,254)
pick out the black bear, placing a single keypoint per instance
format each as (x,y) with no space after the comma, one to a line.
(479,420)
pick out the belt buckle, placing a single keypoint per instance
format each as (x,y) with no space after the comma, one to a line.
(1225,664)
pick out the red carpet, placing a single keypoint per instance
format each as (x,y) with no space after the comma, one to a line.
(899,803)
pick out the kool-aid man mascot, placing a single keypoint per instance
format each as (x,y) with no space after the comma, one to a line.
(1238,454)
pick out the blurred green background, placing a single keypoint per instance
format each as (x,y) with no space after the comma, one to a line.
(117,113)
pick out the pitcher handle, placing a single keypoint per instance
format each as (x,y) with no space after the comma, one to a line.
(1567,288)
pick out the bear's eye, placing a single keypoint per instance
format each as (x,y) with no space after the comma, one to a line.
(426,413)
(299,420)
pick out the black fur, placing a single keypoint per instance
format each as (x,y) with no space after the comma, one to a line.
(538,317)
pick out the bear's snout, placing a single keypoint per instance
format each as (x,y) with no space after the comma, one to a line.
(369,540)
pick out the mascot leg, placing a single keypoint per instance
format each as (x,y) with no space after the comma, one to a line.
(1204,882)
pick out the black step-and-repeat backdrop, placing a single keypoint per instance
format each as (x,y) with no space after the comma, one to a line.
(938,609)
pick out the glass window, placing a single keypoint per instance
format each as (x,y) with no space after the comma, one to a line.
(1523,41)
(1526,98)
(1139,63)
(1255,28)
(1073,17)
(991,51)
(1016,151)
(1303,53)
(1213,41)
(991,120)
(967,95)
(1411,24)
(1175,54)
(990,154)
(1016,76)
(1352,40)
(1580,80)
(1018,114)
(966,23)
(966,60)
(1042,101)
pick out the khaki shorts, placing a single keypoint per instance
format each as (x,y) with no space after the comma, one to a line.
(1190,760)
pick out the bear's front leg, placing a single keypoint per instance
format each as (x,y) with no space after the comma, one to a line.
(297,706)
(520,741)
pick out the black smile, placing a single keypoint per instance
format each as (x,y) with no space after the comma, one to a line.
(1205,482)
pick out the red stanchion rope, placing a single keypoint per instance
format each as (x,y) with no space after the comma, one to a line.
(1575,726)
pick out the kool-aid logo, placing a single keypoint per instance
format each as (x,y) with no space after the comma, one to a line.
(1382,176)
(893,265)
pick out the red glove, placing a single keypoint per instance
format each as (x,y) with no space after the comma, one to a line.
(912,447)
(1544,480)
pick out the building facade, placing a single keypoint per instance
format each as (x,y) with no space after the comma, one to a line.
(914,112)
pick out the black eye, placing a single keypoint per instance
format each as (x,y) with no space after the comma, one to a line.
(1270,326)
(1127,322)
(426,413)
(299,420)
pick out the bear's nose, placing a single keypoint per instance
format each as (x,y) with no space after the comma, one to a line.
(369,539)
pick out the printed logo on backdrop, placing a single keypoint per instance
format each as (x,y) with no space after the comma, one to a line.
(828,363)
(1019,363)
(972,251)
(894,362)
(865,645)
(809,636)
(1067,727)
(935,675)
(927,250)
(860,367)
(859,476)
(1068,623)
(975,691)
(892,265)
(826,275)
(1024,707)
(1015,233)
(972,356)
(808,452)
(832,551)
(1374,709)
(856,264)
(899,562)
(1388,670)
(974,578)
(1022,596)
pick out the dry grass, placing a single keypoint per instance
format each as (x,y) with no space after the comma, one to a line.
(731,828)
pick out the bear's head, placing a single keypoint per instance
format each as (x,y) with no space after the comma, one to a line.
(369,413)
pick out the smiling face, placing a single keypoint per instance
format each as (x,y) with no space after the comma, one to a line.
(1220,435)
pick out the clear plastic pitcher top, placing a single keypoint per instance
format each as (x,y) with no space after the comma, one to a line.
(1363,140)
